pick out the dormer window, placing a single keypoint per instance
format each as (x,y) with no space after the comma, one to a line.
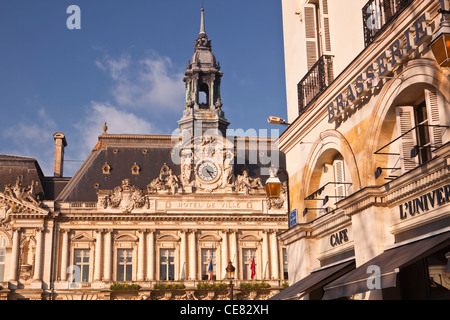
(135,169)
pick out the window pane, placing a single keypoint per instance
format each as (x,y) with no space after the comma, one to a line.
(439,280)
(85,273)
(2,272)
(249,255)
(167,264)
(120,274)
(82,261)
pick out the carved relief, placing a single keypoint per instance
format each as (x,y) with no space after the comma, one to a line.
(125,197)
(21,193)
(280,202)
(167,182)
(244,183)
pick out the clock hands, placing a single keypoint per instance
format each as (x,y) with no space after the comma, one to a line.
(210,173)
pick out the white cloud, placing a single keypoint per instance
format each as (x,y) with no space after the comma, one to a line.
(32,138)
(118,122)
(150,83)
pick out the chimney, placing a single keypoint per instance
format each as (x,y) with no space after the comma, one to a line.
(60,144)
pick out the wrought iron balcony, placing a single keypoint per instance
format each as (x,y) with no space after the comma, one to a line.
(315,82)
(377,14)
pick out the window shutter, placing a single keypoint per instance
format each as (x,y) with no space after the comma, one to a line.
(325,33)
(434,100)
(339,176)
(405,122)
(312,54)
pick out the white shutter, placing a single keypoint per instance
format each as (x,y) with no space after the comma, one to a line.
(339,176)
(312,52)
(434,100)
(325,33)
(405,122)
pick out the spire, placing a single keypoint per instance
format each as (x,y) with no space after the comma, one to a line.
(202,23)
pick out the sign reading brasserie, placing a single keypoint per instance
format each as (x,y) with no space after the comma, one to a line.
(397,52)
(425,202)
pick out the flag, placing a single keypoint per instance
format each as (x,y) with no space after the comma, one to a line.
(252,268)
(210,269)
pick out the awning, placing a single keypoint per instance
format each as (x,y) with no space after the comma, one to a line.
(389,262)
(314,280)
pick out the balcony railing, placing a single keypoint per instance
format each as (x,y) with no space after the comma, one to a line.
(315,82)
(377,14)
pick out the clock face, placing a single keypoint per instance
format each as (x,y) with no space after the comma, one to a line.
(207,171)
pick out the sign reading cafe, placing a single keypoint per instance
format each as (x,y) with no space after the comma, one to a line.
(425,202)
(396,54)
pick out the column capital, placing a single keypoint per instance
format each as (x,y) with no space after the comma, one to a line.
(39,229)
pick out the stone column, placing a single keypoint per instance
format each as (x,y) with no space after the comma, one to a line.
(151,255)
(14,254)
(98,256)
(275,256)
(183,255)
(192,255)
(141,256)
(266,255)
(64,254)
(234,253)
(225,257)
(39,255)
(108,256)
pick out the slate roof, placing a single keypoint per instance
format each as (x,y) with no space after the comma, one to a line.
(27,169)
(121,152)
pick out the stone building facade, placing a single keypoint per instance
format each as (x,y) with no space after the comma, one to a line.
(149,217)
(367,150)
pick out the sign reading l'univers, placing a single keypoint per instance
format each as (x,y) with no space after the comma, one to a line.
(425,202)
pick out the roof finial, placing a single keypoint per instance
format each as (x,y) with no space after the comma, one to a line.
(202,23)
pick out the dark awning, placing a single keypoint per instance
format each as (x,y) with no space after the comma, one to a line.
(314,280)
(390,262)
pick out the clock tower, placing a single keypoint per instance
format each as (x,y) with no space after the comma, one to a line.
(203,110)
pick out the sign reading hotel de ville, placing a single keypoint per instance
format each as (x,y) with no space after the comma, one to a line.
(397,52)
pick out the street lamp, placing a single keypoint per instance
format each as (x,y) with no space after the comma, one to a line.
(230,275)
(277,120)
(440,45)
(273,185)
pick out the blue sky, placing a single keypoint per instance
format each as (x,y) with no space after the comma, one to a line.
(125,66)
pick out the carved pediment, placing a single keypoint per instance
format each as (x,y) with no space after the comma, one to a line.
(18,199)
(83,237)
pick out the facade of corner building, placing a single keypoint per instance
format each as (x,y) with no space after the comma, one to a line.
(367,151)
(149,217)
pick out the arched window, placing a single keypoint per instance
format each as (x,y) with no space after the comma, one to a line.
(330,183)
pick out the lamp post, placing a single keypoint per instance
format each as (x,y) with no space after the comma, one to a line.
(440,45)
(230,275)
(273,185)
